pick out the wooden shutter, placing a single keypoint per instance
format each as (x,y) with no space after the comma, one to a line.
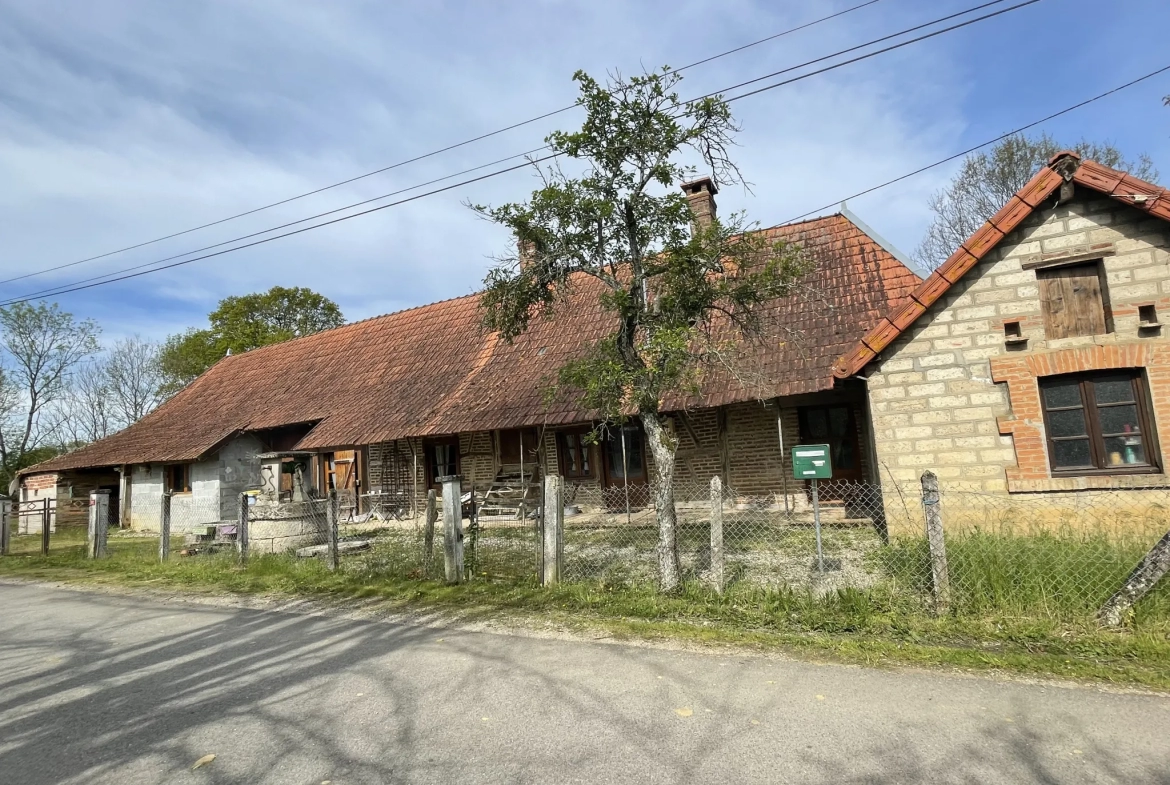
(1072,301)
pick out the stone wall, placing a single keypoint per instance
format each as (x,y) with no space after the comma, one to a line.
(942,395)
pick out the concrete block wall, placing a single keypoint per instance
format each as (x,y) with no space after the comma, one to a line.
(935,399)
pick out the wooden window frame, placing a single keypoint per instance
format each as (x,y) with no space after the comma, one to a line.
(177,474)
(1097,452)
(428,444)
(585,454)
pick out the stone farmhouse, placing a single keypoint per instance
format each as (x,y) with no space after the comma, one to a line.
(1035,359)
(378,409)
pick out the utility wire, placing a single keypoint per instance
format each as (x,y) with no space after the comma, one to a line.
(134,272)
(979,146)
(431,154)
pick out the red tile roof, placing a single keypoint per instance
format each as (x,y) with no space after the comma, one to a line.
(431,370)
(1090,174)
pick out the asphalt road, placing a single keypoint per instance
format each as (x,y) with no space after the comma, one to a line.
(97,688)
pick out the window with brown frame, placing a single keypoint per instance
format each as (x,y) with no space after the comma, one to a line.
(178,478)
(1099,423)
(442,459)
(1073,299)
(576,454)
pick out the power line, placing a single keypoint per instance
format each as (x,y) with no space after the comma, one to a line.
(54,289)
(431,154)
(979,146)
(136,271)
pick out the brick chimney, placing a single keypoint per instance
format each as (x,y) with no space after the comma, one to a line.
(701,197)
(526,252)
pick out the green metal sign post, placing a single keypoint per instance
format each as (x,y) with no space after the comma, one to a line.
(812,462)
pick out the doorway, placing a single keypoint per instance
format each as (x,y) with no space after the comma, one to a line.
(835,426)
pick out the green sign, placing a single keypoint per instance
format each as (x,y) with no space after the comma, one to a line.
(811,462)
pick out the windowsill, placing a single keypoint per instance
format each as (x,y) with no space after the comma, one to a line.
(180,493)
(1152,478)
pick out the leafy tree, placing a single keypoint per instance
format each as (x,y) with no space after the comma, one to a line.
(987,180)
(676,293)
(240,324)
(42,348)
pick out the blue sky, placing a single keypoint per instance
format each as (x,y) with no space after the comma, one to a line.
(124,121)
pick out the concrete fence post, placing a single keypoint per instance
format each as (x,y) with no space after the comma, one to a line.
(938,547)
(432,514)
(5,527)
(554,529)
(242,542)
(46,526)
(717,533)
(452,529)
(99,523)
(164,527)
(331,516)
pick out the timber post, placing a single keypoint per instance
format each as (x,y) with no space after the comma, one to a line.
(164,528)
(242,529)
(940,575)
(553,508)
(717,533)
(5,527)
(99,523)
(429,531)
(452,529)
(46,526)
(331,516)
(1153,567)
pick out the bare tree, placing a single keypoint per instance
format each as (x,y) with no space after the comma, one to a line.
(989,179)
(134,376)
(42,347)
(84,413)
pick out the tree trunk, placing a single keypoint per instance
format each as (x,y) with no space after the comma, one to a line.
(663,446)
(1144,577)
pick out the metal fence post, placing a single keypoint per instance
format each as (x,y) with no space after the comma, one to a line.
(936,541)
(717,533)
(554,529)
(5,524)
(242,529)
(164,528)
(331,516)
(45,527)
(452,529)
(99,523)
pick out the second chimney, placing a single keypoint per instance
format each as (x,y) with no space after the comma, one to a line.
(701,197)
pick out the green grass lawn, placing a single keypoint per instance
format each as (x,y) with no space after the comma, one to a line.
(1041,627)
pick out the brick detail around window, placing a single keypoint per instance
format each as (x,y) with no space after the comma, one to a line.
(1026,423)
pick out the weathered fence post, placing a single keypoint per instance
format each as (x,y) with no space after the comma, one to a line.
(554,529)
(242,529)
(331,515)
(5,524)
(99,523)
(164,528)
(936,541)
(1153,567)
(452,529)
(429,531)
(717,533)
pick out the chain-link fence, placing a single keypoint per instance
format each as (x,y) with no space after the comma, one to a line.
(1060,556)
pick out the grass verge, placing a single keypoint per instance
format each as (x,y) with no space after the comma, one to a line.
(876,627)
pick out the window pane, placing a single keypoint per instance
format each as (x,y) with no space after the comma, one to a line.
(1118,419)
(1071,453)
(614,448)
(838,421)
(1113,389)
(584,457)
(1122,450)
(817,422)
(571,451)
(1062,393)
(1068,422)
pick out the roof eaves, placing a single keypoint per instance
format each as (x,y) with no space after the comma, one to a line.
(889,247)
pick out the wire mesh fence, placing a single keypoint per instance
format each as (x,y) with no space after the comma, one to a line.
(1059,556)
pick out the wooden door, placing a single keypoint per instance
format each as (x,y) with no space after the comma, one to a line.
(626,467)
(835,426)
(513,442)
